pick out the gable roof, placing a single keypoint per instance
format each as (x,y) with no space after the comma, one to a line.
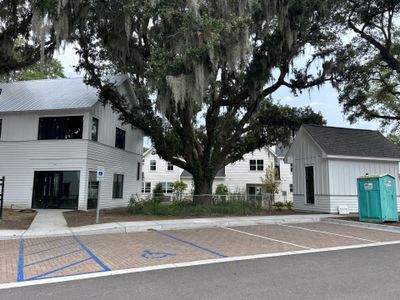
(49,94)
(337,141)
(220,173)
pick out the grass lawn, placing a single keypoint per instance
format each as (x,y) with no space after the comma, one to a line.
(14,219)
(163,211)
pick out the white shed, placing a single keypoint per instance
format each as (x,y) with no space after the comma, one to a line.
(327,161)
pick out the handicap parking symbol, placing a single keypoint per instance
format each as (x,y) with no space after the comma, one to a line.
(148,254)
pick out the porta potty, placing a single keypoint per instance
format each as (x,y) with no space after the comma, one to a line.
(377,199)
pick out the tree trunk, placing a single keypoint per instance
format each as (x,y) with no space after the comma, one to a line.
(203,190)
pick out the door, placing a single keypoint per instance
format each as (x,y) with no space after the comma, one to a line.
(310,196)
(93,190)
(55,189)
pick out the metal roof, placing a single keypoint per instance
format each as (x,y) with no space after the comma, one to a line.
(49,94)
(352,142)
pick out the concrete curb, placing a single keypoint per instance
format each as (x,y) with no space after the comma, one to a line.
(140,226)
(363,225)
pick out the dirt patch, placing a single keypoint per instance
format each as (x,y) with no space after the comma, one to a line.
(15,219)
(355,218)
(82,218)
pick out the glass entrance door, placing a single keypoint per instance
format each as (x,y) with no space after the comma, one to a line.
(56,189)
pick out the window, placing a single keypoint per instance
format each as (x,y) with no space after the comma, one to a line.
(95,129)
(291,168)
(291,187)
(1,123)
(170,167)
(60,128)
(118,186)
(146,187)
(256,165)
(153,165)
(138,171)
(310,196)
(120,138)
(167,187)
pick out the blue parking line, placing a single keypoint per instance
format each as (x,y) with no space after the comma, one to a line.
(20,273)
(58,269)
(94,257)
(53,257)
(190,243)
(48,249)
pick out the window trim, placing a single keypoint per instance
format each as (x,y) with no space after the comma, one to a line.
(116,193)
(97,130)
(155,165)
(116,136)
(144,187)
(170,165)
(60,117)
(258,165)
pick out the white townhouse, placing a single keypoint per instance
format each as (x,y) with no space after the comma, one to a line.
(53,136)
(243,176)
(328,160)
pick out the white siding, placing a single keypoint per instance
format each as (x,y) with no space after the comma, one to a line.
(286,181)
(238,174)
(343,176)
(304,153)
(161,174)
(21,154)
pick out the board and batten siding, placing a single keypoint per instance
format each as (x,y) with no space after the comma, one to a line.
(305,153)
(343,174)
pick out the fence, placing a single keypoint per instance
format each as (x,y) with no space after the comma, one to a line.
(2,182)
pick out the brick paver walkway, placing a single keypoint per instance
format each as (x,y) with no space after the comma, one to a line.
(33,259)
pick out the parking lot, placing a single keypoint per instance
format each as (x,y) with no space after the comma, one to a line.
(41,258)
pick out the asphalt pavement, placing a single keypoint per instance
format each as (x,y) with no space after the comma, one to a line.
(365,273)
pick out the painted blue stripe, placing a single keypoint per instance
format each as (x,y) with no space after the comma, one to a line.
(190,243)
(20,276)
(58,269)
(48,249)
(53,257)
(95,258)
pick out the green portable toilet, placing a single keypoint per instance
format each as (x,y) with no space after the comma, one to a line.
(377,199)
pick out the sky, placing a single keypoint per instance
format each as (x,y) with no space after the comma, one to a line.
(324,99)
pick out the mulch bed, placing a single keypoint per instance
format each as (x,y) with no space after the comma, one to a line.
(15,219)
(354,218)
(82,218)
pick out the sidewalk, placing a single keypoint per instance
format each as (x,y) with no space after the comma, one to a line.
(43,227)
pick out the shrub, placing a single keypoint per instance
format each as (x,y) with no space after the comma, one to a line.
(222,191)
(178,188)
(158,192)
(135,206)
(279,205)
(289,205)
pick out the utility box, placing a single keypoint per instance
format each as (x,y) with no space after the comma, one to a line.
(377,198)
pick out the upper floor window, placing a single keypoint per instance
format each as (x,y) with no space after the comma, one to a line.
(153,165)
(170,167)
(120,138)
(95,129)
(118,186)
(256,165)
(60,128)
(1,125)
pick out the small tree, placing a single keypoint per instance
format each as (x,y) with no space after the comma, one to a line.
(178,188)
(222,191)
(270,183)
